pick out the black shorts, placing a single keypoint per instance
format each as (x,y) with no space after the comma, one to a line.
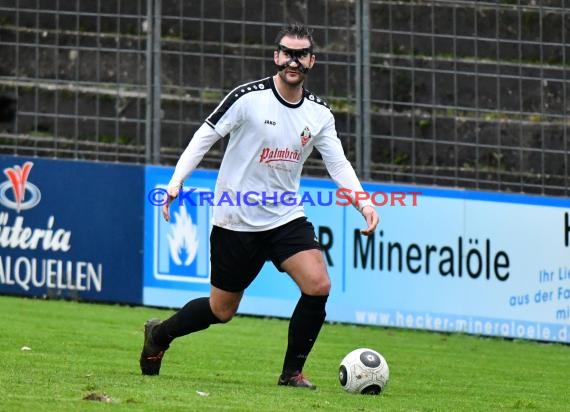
(237,257)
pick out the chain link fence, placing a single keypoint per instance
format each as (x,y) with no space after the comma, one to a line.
(74,74)
(469,94)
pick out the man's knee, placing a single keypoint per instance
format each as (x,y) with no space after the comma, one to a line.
(319,286)
(324,286)
(224,315)
(224,311)
(224,304)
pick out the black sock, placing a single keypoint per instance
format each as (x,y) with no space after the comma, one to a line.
(304,327)
(194,316)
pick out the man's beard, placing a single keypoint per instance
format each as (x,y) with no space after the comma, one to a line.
(286,80)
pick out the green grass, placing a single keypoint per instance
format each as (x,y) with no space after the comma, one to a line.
(79,348)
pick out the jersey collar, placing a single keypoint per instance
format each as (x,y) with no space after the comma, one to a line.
(281,99)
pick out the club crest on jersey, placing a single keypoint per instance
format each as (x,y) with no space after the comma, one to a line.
(305,135)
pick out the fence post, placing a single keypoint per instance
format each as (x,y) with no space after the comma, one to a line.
(153,86)
(362,84)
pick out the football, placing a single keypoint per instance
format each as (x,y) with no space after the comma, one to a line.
(364,371)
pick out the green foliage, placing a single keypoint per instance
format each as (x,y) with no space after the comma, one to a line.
(339,104)
(79,350)
(401,159)
(105,138)
(40,133)
(424,124)
(211,95)
(5,21)
(119,139)
(491,116)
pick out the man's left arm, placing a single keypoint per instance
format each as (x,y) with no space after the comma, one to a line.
(342,173)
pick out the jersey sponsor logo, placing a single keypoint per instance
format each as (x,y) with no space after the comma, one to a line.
(269,155)
(24,195)
(305,136)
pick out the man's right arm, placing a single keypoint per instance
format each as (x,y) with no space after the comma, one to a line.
(201,142)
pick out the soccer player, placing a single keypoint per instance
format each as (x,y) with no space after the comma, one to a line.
(274,124)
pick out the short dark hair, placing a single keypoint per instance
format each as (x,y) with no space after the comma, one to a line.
(295,29)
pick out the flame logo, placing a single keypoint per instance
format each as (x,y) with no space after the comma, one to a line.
(183,238)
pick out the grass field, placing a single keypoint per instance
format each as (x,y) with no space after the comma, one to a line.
(78,349)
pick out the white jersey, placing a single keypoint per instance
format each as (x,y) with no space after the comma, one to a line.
(269,141)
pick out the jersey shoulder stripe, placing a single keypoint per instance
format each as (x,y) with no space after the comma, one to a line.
(316,99)
(234,95)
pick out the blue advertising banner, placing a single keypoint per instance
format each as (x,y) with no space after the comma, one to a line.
(71,229)
(444,260)
(177,254)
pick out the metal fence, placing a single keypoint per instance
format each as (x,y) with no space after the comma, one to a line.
(74,73)
(471,94)
(451,93)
